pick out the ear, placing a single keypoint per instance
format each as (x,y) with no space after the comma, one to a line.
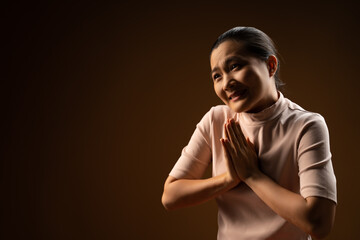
(272,64)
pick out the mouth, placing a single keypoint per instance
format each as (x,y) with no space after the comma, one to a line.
(238,94)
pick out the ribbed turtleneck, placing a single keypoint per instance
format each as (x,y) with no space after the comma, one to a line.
(265,115)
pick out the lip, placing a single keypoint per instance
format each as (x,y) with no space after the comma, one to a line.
(238,94)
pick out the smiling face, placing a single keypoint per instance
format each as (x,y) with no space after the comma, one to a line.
(243,82)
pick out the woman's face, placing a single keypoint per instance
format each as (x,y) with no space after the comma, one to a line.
(243,82)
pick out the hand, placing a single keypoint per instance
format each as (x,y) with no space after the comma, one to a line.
(240,156)
(231,176)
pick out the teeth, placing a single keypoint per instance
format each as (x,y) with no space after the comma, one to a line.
(237,93)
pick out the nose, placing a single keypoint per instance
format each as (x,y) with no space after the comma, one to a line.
(228,82)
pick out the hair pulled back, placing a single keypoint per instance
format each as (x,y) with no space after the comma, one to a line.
(257,43)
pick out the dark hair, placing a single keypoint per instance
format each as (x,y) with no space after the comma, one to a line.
(256,43)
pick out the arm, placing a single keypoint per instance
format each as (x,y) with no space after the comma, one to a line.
(180,193)
(313,215)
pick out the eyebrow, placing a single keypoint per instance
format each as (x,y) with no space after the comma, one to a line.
(227,61)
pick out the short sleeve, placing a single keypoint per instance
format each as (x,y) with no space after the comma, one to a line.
(316,172)
(196,155)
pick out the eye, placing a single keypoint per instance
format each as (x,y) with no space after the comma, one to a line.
(234,66)
(216,76)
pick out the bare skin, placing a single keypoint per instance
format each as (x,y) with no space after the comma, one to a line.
(314,215)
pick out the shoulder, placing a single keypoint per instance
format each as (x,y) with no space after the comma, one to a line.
(220,113)
(303,120)
(300,115)
(216,116)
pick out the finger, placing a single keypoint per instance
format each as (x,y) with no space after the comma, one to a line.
(238,131)
(222,140)
(225,131)
(233,156)
(229,162)
(229,136)
(243,149)
(234,160)
(226,150)
(250,144)
(241,134)
(234,139)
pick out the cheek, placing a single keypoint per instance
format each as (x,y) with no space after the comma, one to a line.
(254,81)
(251,78)
(247,76)
(218,91)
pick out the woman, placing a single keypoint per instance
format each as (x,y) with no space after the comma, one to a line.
(271,161)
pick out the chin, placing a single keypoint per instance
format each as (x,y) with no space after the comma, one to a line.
(243,105)
(238,108)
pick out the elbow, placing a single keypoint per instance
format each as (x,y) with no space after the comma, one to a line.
(320,218)
(319,232)
(320,229)
(168,199)
(167,203)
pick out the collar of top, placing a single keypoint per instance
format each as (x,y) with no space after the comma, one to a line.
(265,115)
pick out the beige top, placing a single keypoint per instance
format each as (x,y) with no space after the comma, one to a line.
(293,149)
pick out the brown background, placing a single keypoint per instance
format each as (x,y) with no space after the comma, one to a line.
(99,100)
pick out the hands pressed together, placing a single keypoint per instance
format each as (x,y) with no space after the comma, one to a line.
(240,154)
(242,165)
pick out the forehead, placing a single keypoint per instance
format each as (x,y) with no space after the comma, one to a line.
(226,49)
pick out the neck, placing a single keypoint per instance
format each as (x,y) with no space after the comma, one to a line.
(266,102)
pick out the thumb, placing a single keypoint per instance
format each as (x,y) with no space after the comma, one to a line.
(250,144)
